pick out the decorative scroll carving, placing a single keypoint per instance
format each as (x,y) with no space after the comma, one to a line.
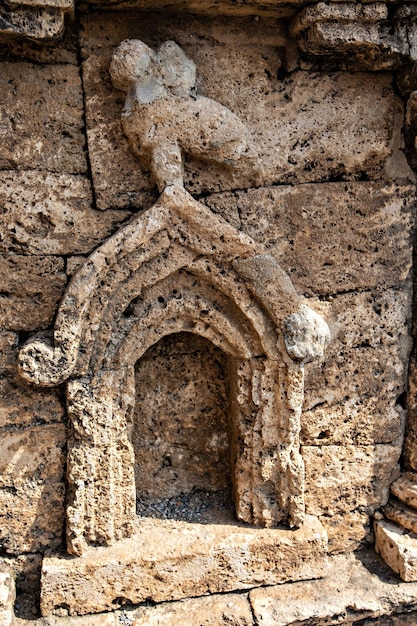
(177,267)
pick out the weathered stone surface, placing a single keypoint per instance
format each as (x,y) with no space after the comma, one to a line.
(402,515)
(40,210)
(36,133)
(35,517)
(355,588)
(230,609)
(246,83)
(345,485)
(31,489)
(197,559)
(31,290)
(39,24)
(355,394)
(357,235)
(7,596)
(405,489)
(22,404)
(398,548)
(357,35)
(180,430)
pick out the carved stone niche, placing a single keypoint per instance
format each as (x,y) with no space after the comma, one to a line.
(177,268)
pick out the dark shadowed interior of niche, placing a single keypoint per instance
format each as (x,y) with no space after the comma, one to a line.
(181,431)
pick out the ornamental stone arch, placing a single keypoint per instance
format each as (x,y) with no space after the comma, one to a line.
(177,268)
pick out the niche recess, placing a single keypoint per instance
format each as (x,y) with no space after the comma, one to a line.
(176,269)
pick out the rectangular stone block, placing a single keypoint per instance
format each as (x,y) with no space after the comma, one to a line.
(334,237)
(354,589)
(231,609)
(34,455)
(31,290)
(355,394)
(42,118)
(398,548)
(31,488)
(198,559)
(32,518)
(298,138)
(345,485)
(51,214)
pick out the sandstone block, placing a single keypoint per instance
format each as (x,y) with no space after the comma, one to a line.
(357,235)
(401,515)
(197,559)
(31,489)
(349,482)
(31,290)
(32,455)
(347,401)
(22,404)
(36,132)
(7,596)
(230,609)
(354,589)
(31,518)
(244,79)
(39,211)
(405,489)
(398,548)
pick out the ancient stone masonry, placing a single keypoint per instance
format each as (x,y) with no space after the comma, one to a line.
(177,267)
(207,381)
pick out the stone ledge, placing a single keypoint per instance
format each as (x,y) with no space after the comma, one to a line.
(357,587)
(398,548)
(196,560)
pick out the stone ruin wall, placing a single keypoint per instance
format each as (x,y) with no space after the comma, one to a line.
(327,93)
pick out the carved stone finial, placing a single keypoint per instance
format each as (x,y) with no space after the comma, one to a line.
(163,116)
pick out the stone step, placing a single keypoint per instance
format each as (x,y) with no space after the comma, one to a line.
(402,515)
(398,548)
(405,489)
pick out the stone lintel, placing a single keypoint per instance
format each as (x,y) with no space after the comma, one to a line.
(168,560)
(398,548)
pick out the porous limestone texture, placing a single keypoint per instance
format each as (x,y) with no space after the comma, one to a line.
(302,212)
(35,132)
(398,548)
(7,596)
(359,590)
(180,430)
(357,274)
(31,290)
(165,560)
(39,210)
(297,138)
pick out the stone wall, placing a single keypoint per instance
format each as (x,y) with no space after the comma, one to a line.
(323,92)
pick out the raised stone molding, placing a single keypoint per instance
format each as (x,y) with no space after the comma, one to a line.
(358,35)
(39,20)
(178,268)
